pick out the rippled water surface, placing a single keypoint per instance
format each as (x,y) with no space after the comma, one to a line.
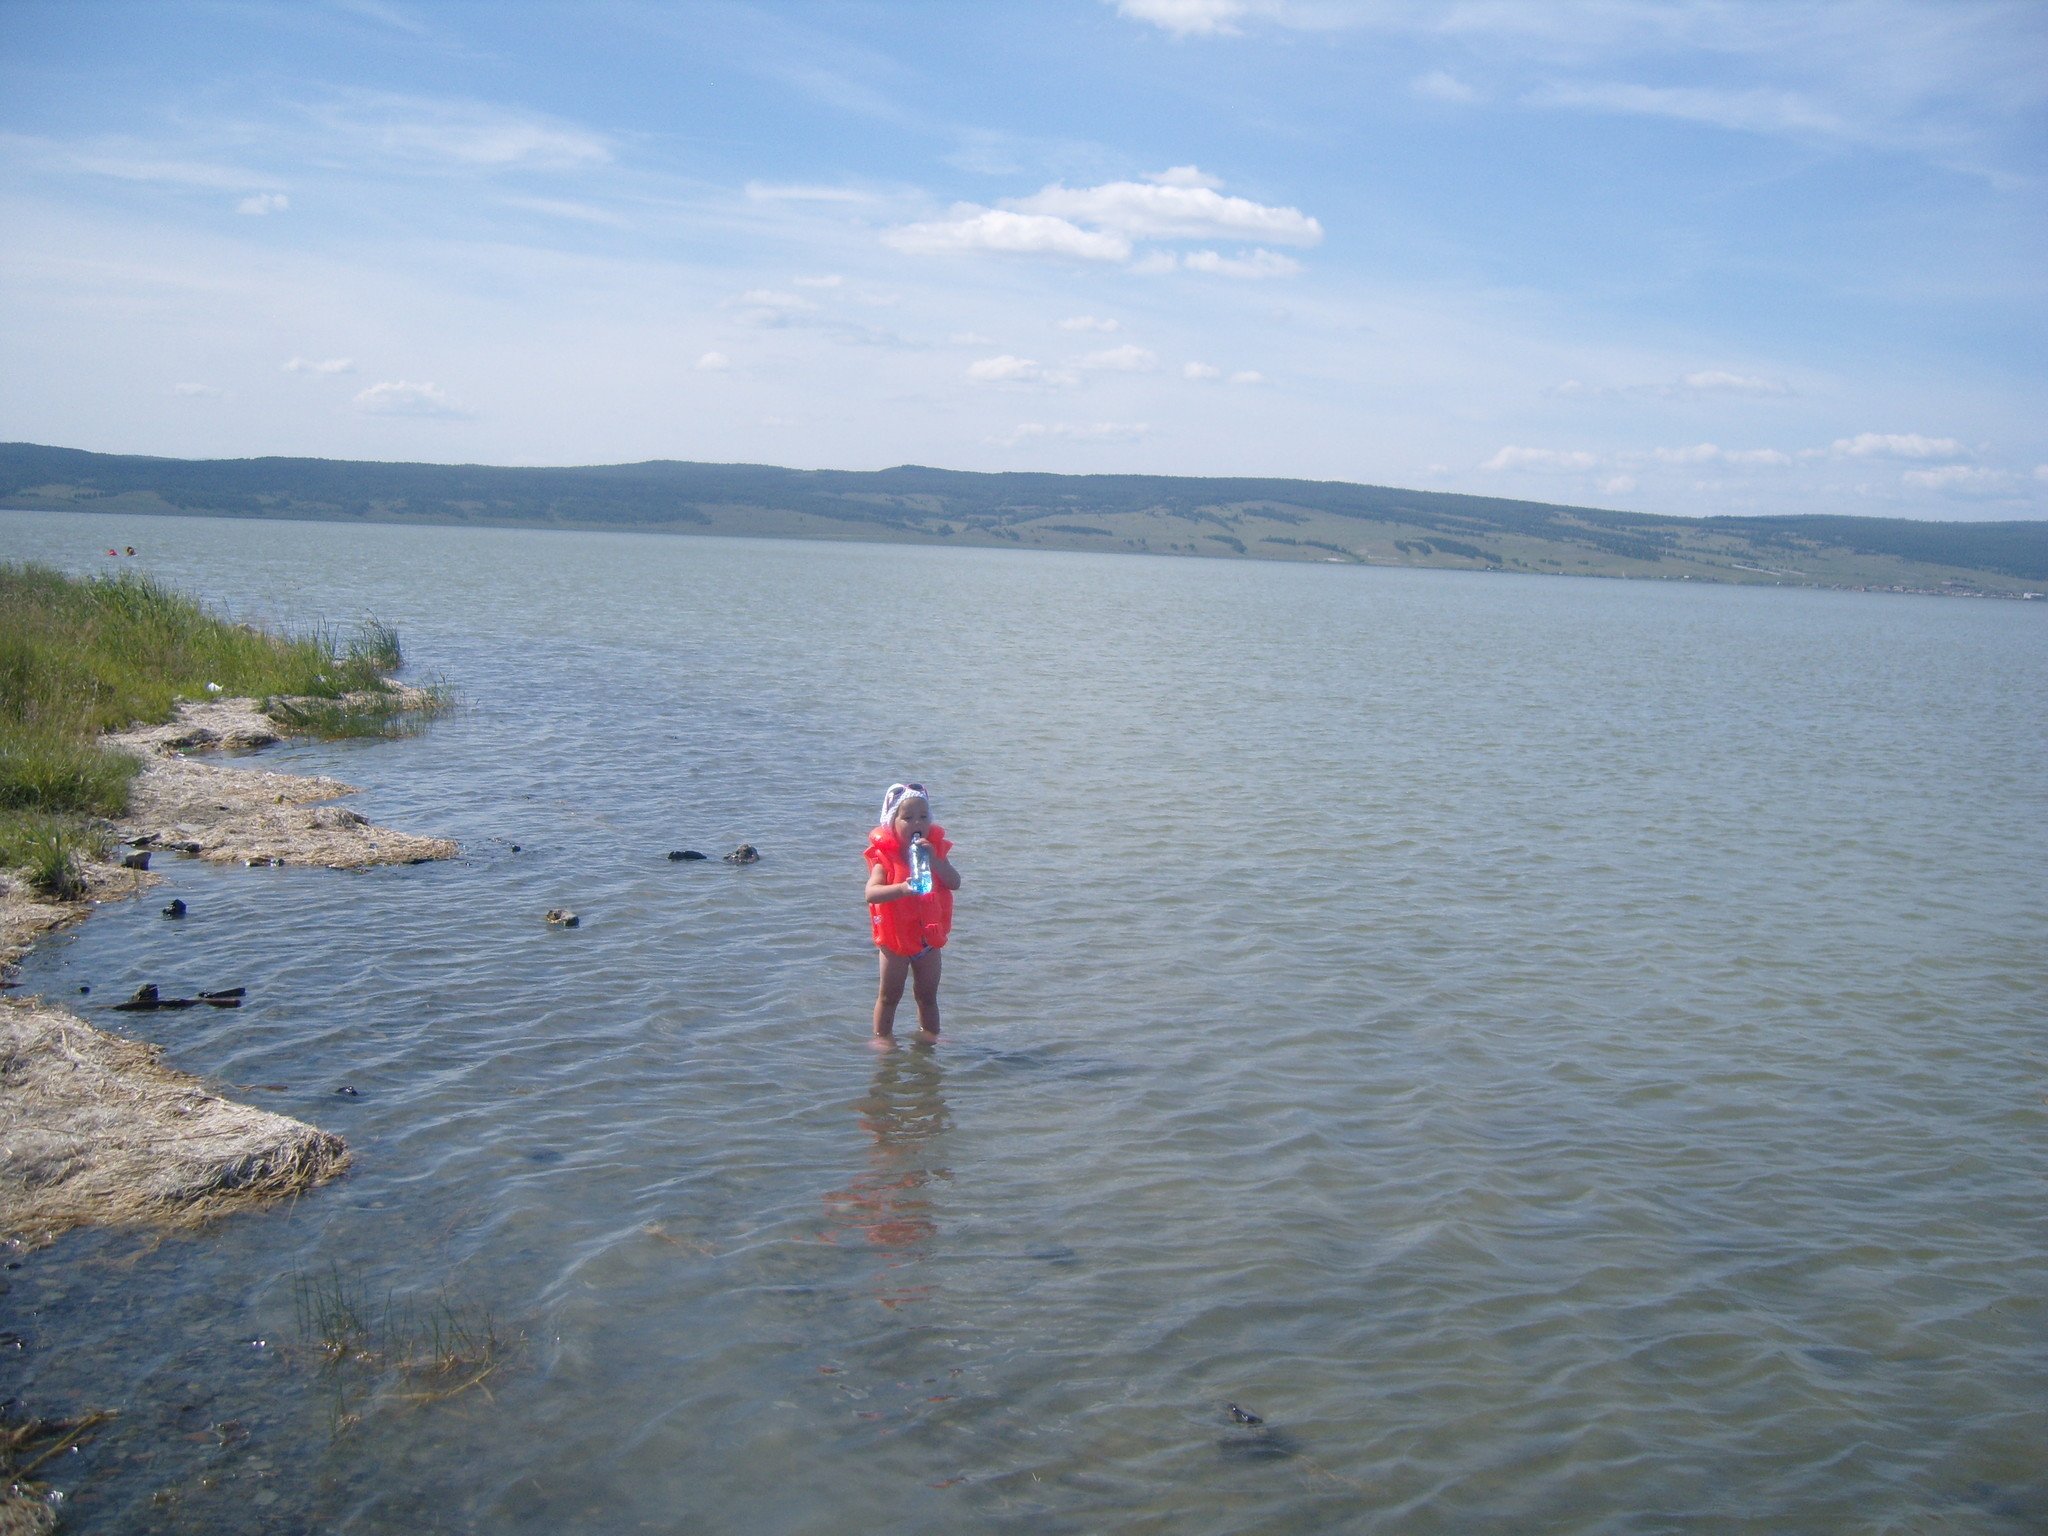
(1566,1054)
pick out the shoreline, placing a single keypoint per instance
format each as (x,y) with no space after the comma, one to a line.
(94,1129)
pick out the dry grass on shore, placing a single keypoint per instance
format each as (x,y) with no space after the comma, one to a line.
(95,1128)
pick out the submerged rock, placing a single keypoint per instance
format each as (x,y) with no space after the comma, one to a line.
(746,853)
(685,856)
(177,908)
(562,917)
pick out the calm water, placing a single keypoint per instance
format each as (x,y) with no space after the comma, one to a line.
(1567,1054)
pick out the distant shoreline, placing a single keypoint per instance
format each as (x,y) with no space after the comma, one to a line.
(1227,518)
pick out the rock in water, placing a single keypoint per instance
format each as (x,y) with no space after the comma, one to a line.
(562,917)
(746,853)
(176,908)
(685,856)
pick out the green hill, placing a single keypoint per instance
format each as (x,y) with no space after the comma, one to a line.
(1222,517)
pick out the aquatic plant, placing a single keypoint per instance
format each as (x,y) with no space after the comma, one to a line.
(26,1446)
(409,1351)
(383,713)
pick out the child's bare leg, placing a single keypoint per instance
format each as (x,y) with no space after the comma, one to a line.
(894,969)
(924,981)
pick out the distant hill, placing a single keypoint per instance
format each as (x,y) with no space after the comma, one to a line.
(1222,517)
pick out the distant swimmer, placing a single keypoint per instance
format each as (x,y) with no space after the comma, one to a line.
(911,881)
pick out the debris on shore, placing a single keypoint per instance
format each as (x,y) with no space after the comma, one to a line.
(96,1129)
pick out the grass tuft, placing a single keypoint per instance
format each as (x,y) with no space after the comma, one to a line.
(409,1352)
(80,657)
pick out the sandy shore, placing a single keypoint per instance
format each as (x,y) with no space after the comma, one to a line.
(94,1128)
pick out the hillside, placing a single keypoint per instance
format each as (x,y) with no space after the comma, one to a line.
(1232,518)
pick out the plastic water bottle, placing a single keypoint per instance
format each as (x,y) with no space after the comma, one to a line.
(920,865)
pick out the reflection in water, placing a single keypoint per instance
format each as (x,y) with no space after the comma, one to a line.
(889,1205)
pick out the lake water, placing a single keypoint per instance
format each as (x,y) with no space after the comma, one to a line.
(1567,1054)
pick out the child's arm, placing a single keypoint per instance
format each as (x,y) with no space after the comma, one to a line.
(880,890)
(944,873)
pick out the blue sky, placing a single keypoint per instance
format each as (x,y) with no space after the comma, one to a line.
(1675,257)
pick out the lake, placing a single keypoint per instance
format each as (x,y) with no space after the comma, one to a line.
(1565,1054)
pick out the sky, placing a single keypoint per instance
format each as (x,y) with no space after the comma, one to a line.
(1678,256)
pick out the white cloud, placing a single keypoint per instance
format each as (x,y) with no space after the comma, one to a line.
(1188,207)
(1247,376)
(1152,263)
(1255,264)
(1061,431)
(1618,485)
(1185,176)
(769,306)
(1959,479)
(1897,445)
(199,391)
(401,398)
(713,362)
(1187,18)
(766,192)
(1440,86)
(970,339)
(1200,371)
(1708,381)
(562,208)
(1089,323)
(1008,369)
(1540,458)
(995,229)
(464,133)
(1712,453)
(124,159)
(1124,359)
(1749,111)
(1715,382)
(264,202)
(329,365)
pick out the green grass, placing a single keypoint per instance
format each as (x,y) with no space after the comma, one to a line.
(79,657)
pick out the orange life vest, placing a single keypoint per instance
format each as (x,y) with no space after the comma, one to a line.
(909,924)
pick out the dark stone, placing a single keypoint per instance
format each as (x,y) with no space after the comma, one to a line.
(515,848)
(84,988)
(346,1092)
(1240,1416)
(562,917)
(176,908)
(746,853)
(685,856)
(146,997)
(136,860)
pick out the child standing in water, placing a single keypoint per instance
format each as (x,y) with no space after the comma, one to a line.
(910,929)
